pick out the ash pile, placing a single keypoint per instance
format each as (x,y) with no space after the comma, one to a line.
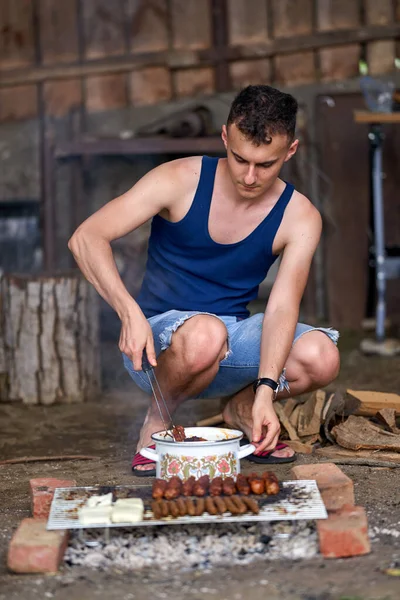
(193,546)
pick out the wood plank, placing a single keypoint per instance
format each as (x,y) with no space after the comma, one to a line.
(339,63)
(247,26)
(16,40)
(191,24)
(103,28)
(337,14)
(371,402)
(106,92)
(346,240)
(58,31)
(380,57)
(184,58)
(336,451)
(150,86)
(148,25)
(295,69)
(365,116)
(60,97)
(250,72)
(194,82)
(379,13)
(17,103)
(292,17)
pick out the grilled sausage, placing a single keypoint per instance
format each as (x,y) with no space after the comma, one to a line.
(156,509)
(159,487)
(187,486)
(164,508)
(242,485)
(200,487)
(181,504)
(251,504)
(191,509)
(231,506)
(173,509)
(216,486)
(220,504)
(240,505)
(200,506)
(210,506)
(228,486)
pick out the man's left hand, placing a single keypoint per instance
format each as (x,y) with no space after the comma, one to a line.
(266,426)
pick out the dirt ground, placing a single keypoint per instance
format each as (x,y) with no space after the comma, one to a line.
(108,428)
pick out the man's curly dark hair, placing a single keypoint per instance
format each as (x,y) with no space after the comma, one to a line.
(261,111)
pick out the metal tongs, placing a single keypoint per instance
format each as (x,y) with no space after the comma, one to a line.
(148,369)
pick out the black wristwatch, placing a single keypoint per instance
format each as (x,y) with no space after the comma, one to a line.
(274,385)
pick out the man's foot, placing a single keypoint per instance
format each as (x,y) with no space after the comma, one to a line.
(142,466)
(150,426)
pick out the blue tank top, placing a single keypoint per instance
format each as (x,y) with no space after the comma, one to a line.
(187,270)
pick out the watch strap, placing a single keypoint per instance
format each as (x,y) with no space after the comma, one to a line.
(274,385)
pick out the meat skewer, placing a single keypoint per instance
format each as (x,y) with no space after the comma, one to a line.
(187,486)
(228,486)
(243,485)
(240,505)
(231,506)
(220,504)
(173,508)
(159,487)
(200,506)
(256,483)
(210,506)
(271,483)
(174,488)
(200,487)
(178,433)
(251,504)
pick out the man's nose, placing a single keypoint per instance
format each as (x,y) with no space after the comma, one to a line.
(250,177)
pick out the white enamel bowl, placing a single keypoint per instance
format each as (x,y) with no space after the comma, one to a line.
(219,456)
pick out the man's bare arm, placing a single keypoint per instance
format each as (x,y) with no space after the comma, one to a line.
(281,315)
(91,247)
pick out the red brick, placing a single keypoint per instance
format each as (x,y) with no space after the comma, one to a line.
(42,492)
(34,550)
(344,533)
(335,487)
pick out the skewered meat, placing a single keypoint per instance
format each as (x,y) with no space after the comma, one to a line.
(200,487)
(251,504)
(174,488)
(164,508)
(216,486)
(159,487)
(256,483)
(210,506)
(228,486)
(220,504)
(240,505)
(242,485)
(195,438)
(156,509)
(271,483)
(200,506)
(178,433)
(187,486)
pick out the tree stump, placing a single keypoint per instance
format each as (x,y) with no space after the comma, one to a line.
(49,339)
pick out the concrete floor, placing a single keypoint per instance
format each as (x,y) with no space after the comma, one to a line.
(108,428)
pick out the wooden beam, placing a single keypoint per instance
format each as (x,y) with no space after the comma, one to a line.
(180,59)
(365,116)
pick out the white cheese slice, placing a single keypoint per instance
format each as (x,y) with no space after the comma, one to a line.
(127,513)
(105,500)
(129,502)
(95,515)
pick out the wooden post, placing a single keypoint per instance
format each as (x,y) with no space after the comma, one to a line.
(50,340)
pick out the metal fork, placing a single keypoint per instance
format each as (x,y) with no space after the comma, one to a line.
(148,369)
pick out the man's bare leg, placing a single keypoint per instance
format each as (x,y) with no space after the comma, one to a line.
(186,368)
(312,363)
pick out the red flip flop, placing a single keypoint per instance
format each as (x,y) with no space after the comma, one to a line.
(138,459)
(266,458)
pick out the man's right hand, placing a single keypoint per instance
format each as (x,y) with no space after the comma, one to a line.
(136,335)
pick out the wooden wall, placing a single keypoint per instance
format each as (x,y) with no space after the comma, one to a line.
(106,54)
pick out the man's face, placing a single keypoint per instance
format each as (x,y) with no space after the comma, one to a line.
(254,169)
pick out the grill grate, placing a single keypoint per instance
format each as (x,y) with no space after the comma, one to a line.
(297,500)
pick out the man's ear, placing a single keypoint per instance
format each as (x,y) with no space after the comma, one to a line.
(292,150)
(224,135)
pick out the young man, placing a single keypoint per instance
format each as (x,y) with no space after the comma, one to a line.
(218,225)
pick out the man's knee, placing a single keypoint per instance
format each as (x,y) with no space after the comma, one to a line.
(319,357)
(200,342)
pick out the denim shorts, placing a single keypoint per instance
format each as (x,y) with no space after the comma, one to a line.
(239,368)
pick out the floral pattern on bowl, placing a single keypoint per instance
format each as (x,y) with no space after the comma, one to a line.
(223,465)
